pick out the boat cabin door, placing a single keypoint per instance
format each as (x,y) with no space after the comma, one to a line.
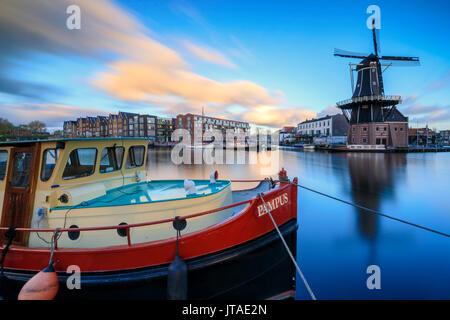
(19,190)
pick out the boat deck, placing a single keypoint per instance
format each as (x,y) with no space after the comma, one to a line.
(152,191)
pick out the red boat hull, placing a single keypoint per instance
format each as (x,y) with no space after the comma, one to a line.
(231,243)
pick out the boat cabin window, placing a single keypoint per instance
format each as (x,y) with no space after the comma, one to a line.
(81,163)
(22,165)
(111,159)
(3,163)
(135,156)
(49,159)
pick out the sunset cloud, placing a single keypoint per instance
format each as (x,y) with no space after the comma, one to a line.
(137,68)
(210,55)
(277,117)
(134,81)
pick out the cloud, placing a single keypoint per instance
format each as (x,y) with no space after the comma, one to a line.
(329,111)
(410,99)
(442,82)
(276,116)
(134,81)
(210,55)
(137,67)
(428,113)
(52,115)
(26,89)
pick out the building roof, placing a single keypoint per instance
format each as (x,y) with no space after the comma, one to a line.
(318,119)
(395,116)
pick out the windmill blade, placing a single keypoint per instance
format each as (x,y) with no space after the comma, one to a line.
(376,38)
(399,58)
(401,61)
(349,54)
(378,48)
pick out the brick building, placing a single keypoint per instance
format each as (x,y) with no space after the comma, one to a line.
(123,124)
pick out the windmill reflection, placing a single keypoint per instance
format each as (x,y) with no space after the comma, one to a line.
(373,177)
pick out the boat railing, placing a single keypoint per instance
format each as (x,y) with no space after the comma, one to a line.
(127,227)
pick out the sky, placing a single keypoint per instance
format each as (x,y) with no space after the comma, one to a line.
(269,63)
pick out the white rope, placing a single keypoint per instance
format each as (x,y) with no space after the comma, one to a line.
(289,251)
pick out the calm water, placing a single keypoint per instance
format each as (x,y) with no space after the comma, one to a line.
(336,243)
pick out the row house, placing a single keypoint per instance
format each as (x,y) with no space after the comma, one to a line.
(70,129)
(123,124)
(164,129)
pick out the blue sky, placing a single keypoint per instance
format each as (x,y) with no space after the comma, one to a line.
(266,62)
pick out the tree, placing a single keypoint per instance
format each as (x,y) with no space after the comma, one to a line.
(37,126)
(5,126)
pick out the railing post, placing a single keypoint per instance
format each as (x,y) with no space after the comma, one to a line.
(128,236)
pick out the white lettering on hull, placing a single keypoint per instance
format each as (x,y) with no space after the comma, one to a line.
(273,204)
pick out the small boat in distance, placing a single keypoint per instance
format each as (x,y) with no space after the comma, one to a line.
(89,203)
(309,147)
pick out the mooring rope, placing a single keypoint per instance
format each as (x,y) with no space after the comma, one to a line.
(288,250)
(371,210)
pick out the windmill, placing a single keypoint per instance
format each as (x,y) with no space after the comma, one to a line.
(369,104)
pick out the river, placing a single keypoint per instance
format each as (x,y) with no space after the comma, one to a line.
(337,242)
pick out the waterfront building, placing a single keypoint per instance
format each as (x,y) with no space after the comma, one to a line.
(192,121)
(421,137)
(123,124)
(444,137)
(328,126)
(164,129)
(287,135)
(101,126)
(69,129)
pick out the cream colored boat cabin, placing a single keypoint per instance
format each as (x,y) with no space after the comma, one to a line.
(96,182)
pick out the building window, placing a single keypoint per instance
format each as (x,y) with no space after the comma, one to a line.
(81,163)
(135,156)
(3,163)
(111,159)
(364,140)
(49,159)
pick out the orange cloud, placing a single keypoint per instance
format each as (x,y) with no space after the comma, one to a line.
(135,81)
(277,116)
(210,55)
(142,68)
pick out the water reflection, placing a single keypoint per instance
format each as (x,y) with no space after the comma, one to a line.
(373,178)
(338,242)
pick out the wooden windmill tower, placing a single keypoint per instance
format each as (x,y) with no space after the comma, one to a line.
(373,116)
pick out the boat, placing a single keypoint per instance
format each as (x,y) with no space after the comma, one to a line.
(309,147)
(89,205)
